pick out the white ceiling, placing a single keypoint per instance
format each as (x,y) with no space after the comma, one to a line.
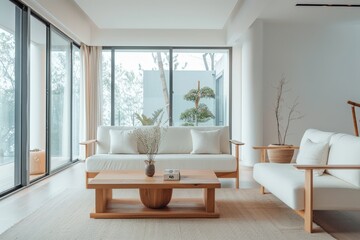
(158,14)
(286,11)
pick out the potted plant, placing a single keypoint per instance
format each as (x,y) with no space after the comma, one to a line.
(282,152)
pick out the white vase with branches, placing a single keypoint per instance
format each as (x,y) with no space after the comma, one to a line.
(149,138)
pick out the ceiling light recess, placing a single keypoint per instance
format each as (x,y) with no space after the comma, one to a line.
(326,5)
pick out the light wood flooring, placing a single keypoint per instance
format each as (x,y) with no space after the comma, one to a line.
(18,206)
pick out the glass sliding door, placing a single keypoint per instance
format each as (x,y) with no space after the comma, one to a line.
(9,85)
(60,100)
(76,78)
(37,92)
(141,91)
(106,88)
(204,73)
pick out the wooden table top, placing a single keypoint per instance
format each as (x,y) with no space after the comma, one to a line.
(138,179)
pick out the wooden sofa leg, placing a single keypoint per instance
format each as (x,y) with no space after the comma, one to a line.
(308,215)
(237,181)
(262,190)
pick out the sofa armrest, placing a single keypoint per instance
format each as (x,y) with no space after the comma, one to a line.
(87,145)
(236,143)
(280,148)
(312,167)
(309,189)
(264,148)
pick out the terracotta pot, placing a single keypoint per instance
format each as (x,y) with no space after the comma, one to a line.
(280,155)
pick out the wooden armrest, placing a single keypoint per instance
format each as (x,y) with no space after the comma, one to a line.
(235,142)
(311,167)
(354,103)
(88,142)
(279,148)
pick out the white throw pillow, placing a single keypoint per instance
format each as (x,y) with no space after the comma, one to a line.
(312,153)
(205,141)
(123,141)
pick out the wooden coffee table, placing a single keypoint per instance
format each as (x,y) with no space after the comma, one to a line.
(155,193)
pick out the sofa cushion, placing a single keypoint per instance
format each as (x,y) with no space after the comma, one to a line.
(175,139)
(313,153)
(345,150)
(123,141)
(287,183)
(215,162)
(205,142)
(316,136)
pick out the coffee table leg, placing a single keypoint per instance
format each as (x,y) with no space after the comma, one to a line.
(101,198)
(209,199)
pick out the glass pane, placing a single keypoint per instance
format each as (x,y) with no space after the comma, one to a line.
(106,88)
(76,102)
(141,87)
(7,96)
(203,73)
(60,100)
(37,129)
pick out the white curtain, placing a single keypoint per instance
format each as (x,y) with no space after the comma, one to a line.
(90,105)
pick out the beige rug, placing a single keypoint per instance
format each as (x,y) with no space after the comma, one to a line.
(245,214)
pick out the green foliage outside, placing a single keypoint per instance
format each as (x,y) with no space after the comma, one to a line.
(155,118)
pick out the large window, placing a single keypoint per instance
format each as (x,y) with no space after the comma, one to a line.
(37,111)
(9,165)
(76,78)
(200,87)
(60,103)
(40,79)
(180,86)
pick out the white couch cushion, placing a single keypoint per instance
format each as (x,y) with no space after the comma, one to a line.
(175,140)
(312,153)
(345,150)
(287,184)
(205,142)
(123,141)
(215,162)
(316,136)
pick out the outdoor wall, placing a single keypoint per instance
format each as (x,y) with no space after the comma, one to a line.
(322,65)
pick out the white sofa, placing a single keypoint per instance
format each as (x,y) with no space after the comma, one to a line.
(174,152)
(296,185)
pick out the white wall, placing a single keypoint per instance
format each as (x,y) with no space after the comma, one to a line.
(322,65)
(66,16)
(154,37)
(252,95)
(236,93)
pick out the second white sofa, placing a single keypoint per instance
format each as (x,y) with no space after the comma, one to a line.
(299,187)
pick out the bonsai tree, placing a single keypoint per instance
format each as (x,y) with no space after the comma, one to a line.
(200,112)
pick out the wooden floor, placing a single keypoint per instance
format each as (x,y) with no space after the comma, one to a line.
(18,206)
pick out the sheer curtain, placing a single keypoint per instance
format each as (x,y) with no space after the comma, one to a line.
(90,105)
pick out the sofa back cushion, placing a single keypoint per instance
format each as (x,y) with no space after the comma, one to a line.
(175,140)
(345,150)
(315,136)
